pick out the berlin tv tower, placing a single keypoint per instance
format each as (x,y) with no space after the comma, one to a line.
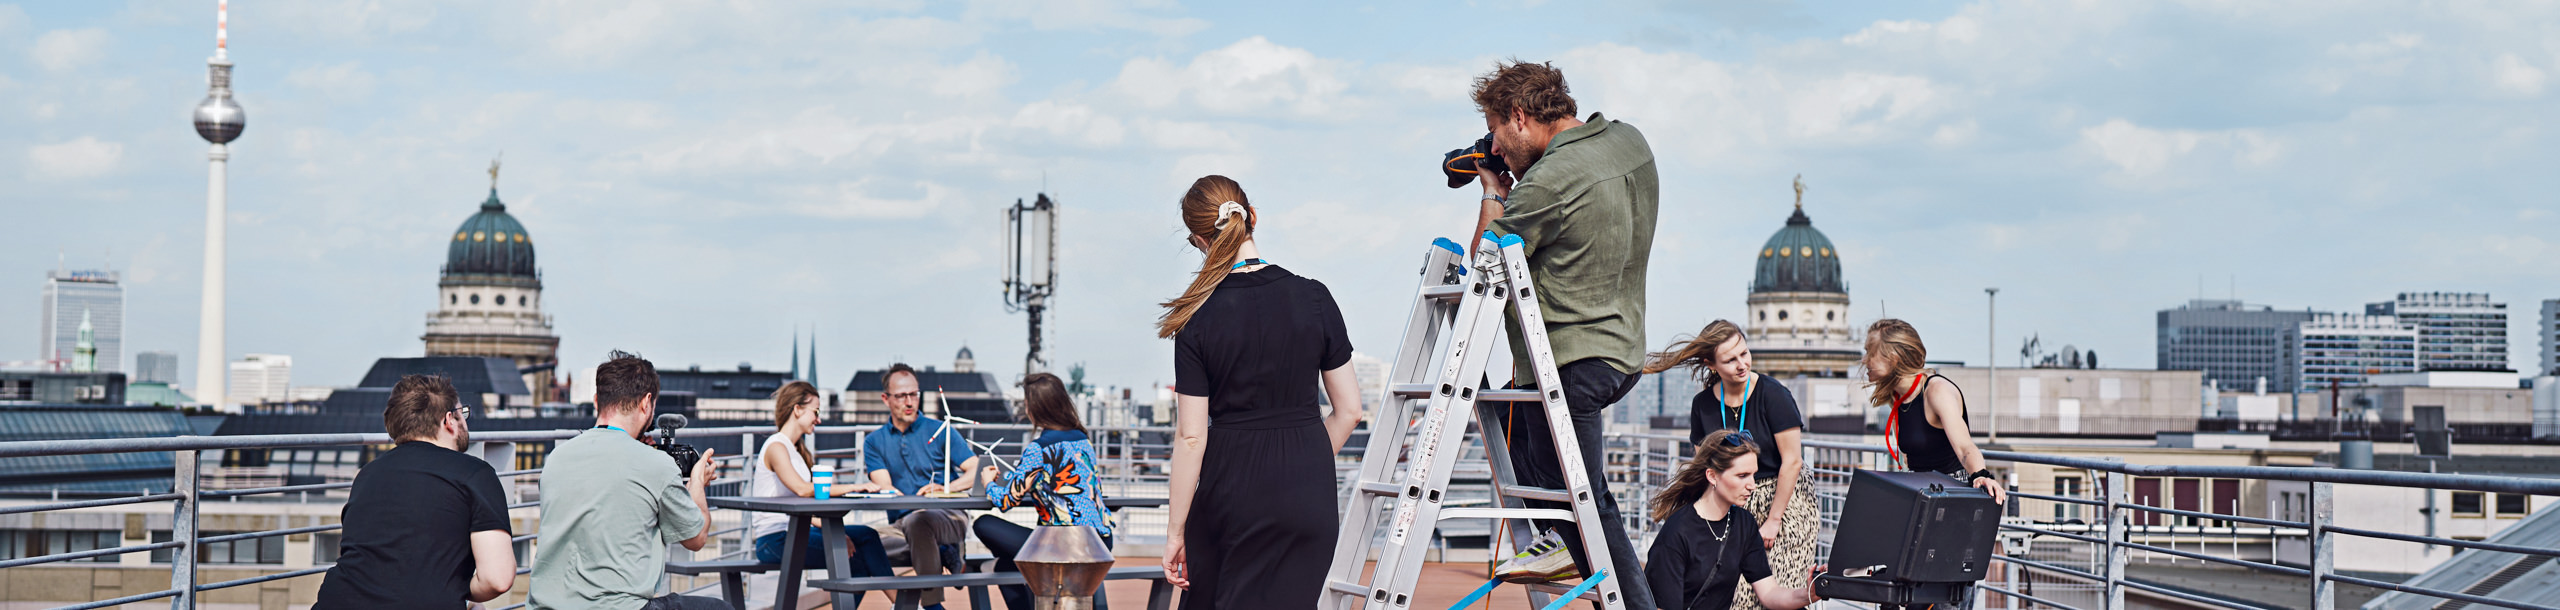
(219,120)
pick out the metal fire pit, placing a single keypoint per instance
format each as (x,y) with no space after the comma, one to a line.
(1064,566)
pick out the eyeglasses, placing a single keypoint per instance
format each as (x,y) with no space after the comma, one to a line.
(906,396)
(463,410)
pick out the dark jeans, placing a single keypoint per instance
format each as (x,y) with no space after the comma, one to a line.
(1005,540)
(687,602)
(868,557)
(1589,386)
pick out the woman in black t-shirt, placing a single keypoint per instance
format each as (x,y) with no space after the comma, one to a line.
(1253,517)
(1707,547)
(1763,414)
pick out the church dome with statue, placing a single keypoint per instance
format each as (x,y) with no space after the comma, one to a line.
(1798,317)
(489,295)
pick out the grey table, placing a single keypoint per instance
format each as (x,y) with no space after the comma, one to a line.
(831,511)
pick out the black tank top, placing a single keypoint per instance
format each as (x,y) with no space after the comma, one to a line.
(1925,448)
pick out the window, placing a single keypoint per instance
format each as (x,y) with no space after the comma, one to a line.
(2468,504)
(502,299)
(475,299)
(453,298)
(2514,505)
(21,544)
(324,548)
(268,550)
(1782,314)
(2067,487)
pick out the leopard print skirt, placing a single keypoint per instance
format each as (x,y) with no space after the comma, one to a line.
(1791,559)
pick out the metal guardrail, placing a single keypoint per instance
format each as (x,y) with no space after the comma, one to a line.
(1640,464)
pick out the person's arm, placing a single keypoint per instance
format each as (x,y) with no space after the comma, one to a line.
(695,486)
(1496,187)
(1002,488)
(962,479)
(1342,387)
(493,564)
(779,463)
(1776,595)
(1790,467)
(1190,442)
(1946,409)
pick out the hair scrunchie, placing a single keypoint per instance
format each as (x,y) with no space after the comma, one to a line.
(1230,208)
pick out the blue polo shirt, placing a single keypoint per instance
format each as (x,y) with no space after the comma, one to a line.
(914,458)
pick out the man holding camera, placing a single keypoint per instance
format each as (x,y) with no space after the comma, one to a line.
(425,524)
(918,455)
(612,504)
(1581,195)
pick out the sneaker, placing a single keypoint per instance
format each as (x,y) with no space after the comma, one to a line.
(1546,560)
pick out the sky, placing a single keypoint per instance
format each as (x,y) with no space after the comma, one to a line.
(704,179)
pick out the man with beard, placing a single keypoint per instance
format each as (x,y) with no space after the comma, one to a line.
(426,525)
(916,455)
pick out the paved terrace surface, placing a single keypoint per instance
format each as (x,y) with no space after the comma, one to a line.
(1442,584)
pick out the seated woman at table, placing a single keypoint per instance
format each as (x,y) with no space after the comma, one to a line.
(1056,476)
(782,469)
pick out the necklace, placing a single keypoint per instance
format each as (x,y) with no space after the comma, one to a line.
(1728,525)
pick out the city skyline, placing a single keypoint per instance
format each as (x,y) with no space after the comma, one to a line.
(2093,162)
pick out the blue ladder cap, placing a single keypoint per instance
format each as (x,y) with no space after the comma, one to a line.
(1445,244)
(1492,237)
(1510,240)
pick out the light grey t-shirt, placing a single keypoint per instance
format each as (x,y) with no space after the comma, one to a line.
(610,507)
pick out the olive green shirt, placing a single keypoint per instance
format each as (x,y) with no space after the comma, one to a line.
(1584,214)
(610,507)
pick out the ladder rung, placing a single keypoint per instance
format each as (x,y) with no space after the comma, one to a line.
(1348,588)
(1381,489)
(1534,493)
(1507,396)
(1506,513)
(1444,292)
(1412,390)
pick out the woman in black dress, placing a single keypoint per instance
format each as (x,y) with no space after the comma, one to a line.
(1253,517)
(1926,431)
(1709,545)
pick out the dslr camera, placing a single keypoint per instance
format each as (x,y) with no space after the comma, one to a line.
(1465,164)
(665,428)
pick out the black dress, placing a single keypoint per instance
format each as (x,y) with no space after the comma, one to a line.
(1262,524)
(1690,569)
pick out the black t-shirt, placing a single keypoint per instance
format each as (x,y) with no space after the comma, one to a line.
(1255,349)
(1689,569)
(1771,410)
(409,519)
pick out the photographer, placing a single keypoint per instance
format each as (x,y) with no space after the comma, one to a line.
(612,504)
(1581,196)
(426,525)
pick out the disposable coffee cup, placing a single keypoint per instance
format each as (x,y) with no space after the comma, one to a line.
(825,480)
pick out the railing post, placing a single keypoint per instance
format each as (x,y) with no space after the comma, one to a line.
(182,528)
(2115,536)
(2323,552)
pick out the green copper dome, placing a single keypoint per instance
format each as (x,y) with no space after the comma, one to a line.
(1798,259)
(492,246)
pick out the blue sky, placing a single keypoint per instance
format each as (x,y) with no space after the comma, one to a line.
(700,177)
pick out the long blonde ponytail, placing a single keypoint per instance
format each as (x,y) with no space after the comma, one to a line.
(1207,213)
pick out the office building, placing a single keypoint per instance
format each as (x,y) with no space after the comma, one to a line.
(2547,328)
(1798,312)
(51,388)
(261,378)
(2457,331)
(2233,343)
(70,297)
(489,297)
(155,367)
(2346,349)
(973,394)
(744,393)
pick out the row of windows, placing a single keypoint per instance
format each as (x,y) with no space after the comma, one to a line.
(2473,504)
(501,300)
(21,544)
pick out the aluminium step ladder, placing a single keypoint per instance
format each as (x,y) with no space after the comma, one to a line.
(1450,334)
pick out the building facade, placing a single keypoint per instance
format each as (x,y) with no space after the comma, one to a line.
(2347,349)
(2457,331)
(261,378)
(2234,344)
(69,298)
(1798,313)
(2547,328)
(155,367)
(489,298)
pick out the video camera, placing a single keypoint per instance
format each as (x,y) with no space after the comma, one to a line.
(665,428)
(1465,164)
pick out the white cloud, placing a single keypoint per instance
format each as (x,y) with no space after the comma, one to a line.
(2139,151)
(1075,121)
(65,50)
(1250,76)
(1088,14)
(87,157)
(2514,75)
(343,81)
(861,200)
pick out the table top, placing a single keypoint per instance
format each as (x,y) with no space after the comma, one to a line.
(797,505)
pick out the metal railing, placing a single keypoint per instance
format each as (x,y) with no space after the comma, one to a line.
(1132,466)
(1135,461)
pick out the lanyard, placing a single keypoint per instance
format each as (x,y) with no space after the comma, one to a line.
(1891,432)
(1740,420)
(610,427)
(1247,263)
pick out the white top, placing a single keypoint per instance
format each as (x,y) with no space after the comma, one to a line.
(765,485)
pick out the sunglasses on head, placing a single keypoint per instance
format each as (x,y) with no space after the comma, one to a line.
(1738,438)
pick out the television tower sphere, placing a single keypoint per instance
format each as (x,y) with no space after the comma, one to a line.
(218,119)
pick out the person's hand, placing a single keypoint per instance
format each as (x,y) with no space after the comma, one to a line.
(929,489)
(1999,494)
(1769,534)
(1809,595)
(991,473)
(1176,564)
(1496,184)
(702,470)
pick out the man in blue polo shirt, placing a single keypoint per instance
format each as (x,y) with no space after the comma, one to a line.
(916,455)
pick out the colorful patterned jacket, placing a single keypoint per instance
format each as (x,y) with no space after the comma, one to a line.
(1057,477)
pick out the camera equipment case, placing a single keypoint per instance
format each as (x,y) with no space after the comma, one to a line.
(1883,591)
(1910,537)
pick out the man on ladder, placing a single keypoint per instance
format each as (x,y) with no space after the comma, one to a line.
(1583,207)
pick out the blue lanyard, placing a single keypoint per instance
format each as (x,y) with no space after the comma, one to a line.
(1739,419)
(1247,263)
(627,432)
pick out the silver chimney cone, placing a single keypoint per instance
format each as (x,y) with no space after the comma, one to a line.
(1064,566)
